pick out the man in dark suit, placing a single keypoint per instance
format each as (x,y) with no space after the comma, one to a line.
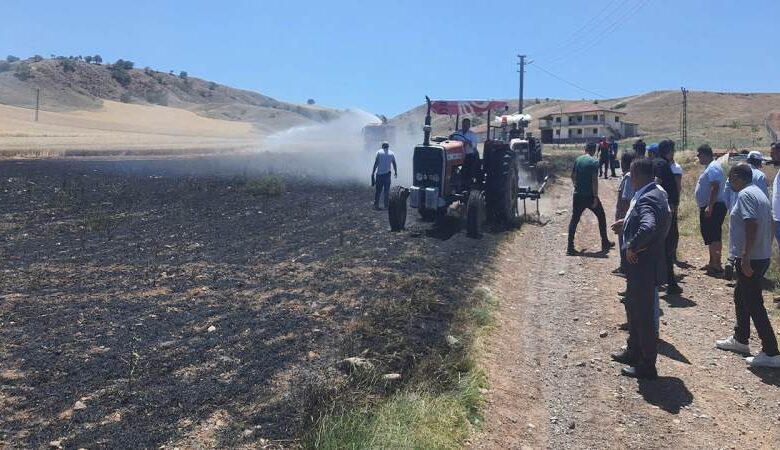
(644,235)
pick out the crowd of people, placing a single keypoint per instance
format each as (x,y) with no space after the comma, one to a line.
(646,225)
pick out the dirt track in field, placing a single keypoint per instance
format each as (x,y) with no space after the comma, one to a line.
(553,384)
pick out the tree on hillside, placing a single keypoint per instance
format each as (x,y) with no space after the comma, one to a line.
(88,59)
(310,101)
(67,65)
(183,75)
(98,60)
(5,66)
(119,73)
(23,71)
(126,65)
(37,58)
(212,85)
(12,58)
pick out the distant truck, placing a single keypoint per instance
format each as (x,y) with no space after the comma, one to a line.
(375,133)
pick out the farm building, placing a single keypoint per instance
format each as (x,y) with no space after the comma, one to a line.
(585,123)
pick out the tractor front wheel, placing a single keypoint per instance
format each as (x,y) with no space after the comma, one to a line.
(475,214)
(396,211)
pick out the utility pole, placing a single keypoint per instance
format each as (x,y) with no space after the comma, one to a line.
(684,130)
(521,71)
(37,102)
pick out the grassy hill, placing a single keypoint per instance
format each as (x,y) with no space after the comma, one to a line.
(721,119)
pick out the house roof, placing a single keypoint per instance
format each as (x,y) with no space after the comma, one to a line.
(583,108)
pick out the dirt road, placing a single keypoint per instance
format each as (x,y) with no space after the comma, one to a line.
(553,384)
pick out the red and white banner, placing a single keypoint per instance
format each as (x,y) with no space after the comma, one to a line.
(462,107)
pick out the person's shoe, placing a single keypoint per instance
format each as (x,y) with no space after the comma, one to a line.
(605,246)
(623,357)
(732,345)
(623,326)
(571,251)
(617,271)
(715,272)
(635,372)
(674,289)
(762,360)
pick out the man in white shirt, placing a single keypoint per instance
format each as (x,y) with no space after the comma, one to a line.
(710,198)
(384,159)
(471,164)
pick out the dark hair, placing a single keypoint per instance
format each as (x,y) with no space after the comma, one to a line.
(642,168)
(627,158)
(743,171)
(775,145)
(640,147)
(665,147)
(465,120)
(704,149)
(590,147)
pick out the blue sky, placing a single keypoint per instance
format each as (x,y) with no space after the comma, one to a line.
(385,56)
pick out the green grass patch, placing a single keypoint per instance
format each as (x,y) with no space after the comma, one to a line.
(269,186)
(435,410)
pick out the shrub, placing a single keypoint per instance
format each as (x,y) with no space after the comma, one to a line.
(619,106)
(67,65)
(88,59)
(183,74)
(120,74)
(212,85)
(11,58)
(270,186)
(98,59)
(125,97)
(5,66)
(23,71)
(156,97)
(37,58)
(310,101)
(126,65)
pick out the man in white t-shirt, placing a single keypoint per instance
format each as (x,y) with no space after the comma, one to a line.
(384,159)
(711,200)
(471,164)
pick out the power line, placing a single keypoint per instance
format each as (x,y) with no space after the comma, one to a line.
(630,11)
(566,81)
(573,37)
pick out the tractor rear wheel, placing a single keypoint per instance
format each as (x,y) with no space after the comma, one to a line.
(511,213)
(396,211)
(502,186)
(475,214)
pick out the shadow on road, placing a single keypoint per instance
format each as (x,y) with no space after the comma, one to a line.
(767,375)
(668,393)
(670,351)
(678,301)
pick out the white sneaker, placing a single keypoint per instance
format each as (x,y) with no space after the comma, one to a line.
(732,345)
(762,360)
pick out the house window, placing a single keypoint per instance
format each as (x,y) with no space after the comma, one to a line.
(557,120)
(617,118)
(595,118)
(595,131)
(579,130)
(579,118)
(601,118)
(558,132)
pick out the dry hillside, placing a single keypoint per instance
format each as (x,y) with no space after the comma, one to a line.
(89,107)
(723,119)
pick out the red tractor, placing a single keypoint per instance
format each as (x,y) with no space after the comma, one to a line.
(441,185)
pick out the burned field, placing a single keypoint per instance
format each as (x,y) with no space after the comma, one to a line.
(153,303)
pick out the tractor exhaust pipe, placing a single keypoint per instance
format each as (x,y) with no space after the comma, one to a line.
(427,126)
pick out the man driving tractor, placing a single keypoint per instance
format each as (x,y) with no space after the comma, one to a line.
(471,164)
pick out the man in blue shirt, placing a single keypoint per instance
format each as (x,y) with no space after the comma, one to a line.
(711,200)
(750,244)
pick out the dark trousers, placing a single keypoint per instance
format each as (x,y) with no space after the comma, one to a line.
(580,204)
(611,165)
(671,250)
(642,333)
(471,168)
(605,163)
(749,304)
(382,185)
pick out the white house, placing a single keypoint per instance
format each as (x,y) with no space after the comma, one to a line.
(585,122)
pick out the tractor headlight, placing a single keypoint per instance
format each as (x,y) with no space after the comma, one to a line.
(418,177)
(434,178)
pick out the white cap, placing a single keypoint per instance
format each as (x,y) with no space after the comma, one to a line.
(755,155)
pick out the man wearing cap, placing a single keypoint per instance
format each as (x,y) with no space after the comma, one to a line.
(711,199)
(756,160)
(471,164)
(665,178)
(584,175)
(384,159)
(750,244)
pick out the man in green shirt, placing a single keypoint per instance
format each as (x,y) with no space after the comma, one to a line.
(584,175)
